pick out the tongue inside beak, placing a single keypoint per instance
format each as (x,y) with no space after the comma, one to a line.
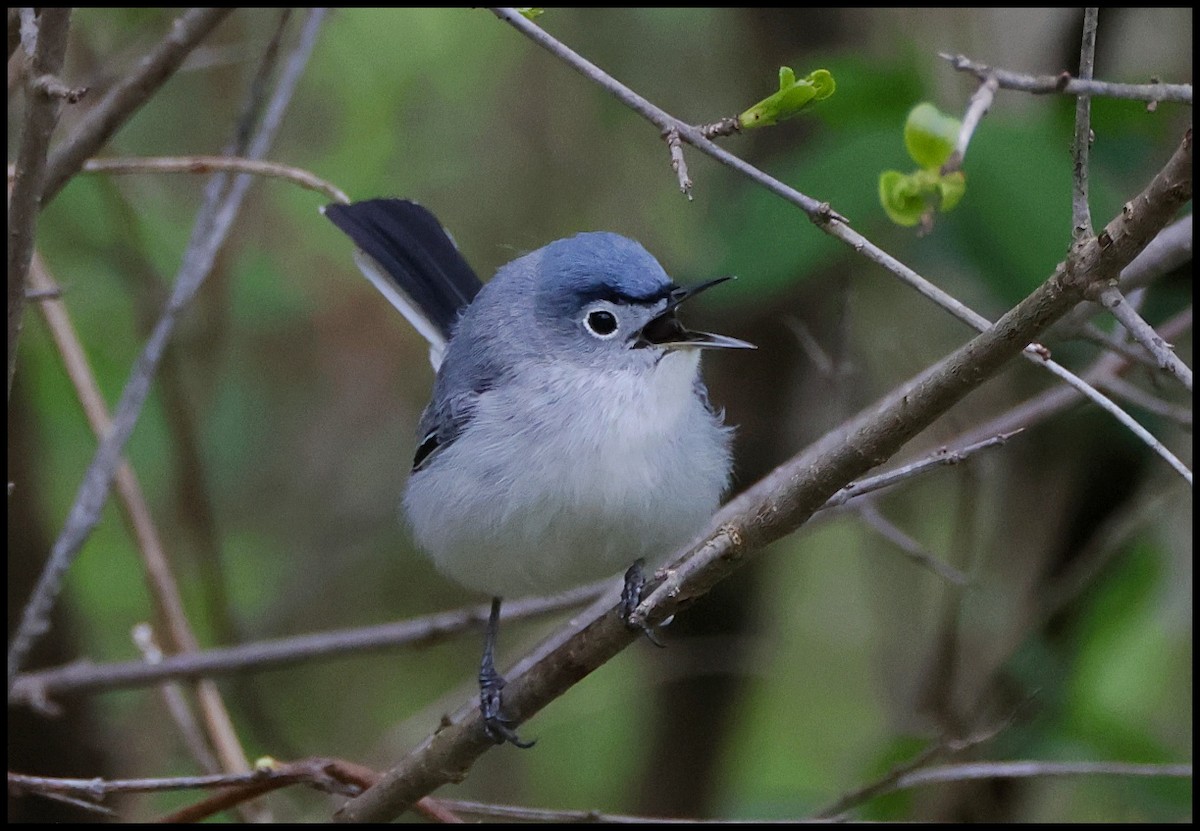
(668,331)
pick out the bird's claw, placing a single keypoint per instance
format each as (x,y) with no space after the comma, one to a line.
(495,724)
(631,596)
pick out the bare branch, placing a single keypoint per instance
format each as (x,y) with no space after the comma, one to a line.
(129,94)
(977,108)
(678,163)
(85,677)
(1170,249)
(176,703)
(1053,401)
(1112,299)
(909,547)
(1035,769)
(1181,415)
(1066,85)
(522,813)
(1081,214)
(211,164)
(311,771)
(887,782)
(1166,252)
(29,184)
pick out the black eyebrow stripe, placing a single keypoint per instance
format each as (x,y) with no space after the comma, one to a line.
(614,295)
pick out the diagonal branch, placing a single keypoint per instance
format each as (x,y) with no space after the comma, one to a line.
(784,500)
(1112,299)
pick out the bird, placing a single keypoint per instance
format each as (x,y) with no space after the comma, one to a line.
(569,434)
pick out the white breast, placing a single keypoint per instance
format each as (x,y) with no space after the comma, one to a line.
(572,478)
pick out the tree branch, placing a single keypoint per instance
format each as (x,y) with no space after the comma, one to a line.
(977,108)
(29,184)
(1081,214)
(129,94)
(1034,769)
(781,502)
(85,677)
(1112,299)
(1064,84)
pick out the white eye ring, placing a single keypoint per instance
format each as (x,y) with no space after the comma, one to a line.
(601,323)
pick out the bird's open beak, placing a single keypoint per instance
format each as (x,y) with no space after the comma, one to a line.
(668,331)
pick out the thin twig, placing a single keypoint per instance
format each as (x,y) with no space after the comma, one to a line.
(1035,769)
(329,775)
(176,703)
(1054,401)
(28,192)
(881,525)
(1170,249)
(129,94)
(977,108)
(1081,214)
(678,163)
(1064,84)
(938,458)
(210,164)
(523,813)
(824,364)
(887,782)
(1181,415)
(1112,299)
(85,677)
(311,771)
(728,126)
(336,776)
(163,590)
(1092,333)
(826,219)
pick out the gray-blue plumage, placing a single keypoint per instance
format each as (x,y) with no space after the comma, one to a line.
(554,456)
(569,434)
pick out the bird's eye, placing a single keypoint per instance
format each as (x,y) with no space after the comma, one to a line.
(601,323)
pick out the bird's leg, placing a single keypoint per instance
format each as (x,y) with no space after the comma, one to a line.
(490,685)
(631,596)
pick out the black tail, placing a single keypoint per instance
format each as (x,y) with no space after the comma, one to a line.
(416,253)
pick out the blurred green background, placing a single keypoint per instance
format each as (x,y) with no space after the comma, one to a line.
(277,440)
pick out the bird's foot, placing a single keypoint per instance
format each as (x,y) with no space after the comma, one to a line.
(494,723)
(631,596)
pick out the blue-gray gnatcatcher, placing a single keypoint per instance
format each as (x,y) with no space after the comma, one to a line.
(569,433)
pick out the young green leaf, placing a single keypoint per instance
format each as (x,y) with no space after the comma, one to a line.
(530,12)
(930,136)
(900,195)
(794,95)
